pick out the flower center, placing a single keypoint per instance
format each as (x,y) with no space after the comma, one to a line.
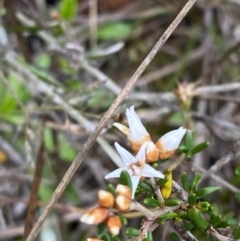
(136,168)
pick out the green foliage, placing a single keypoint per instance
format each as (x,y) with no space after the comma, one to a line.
(205,191)
(237,233)
(185,182)
(9,106)
(68,9)
(237,171)
(172,202)
(174,237)
(145,185)
(43,60)
(115,31)
(125,179)
(111,189)
(198,219)
(71,194)
(132,232)
(151,202)
(189,149)
(101,99)
(168,216)
(66,152)
(45,192)
(102,229)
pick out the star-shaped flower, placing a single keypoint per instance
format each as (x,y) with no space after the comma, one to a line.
(137,135)
(135,166)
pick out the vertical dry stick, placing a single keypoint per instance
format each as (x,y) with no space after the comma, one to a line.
(78,160)
(33,200)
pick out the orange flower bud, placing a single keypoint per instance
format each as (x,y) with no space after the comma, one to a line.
(95,216)
(123,190)
(136,145)
(152,153)
(114,225)
(105,199)
(122,203)
(163,154)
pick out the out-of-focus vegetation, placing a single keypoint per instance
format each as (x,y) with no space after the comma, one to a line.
(62,64)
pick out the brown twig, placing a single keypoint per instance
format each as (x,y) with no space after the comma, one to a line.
(32,205)
(78,160)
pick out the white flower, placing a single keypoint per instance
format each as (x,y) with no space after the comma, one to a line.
(136,133)
(135,166)
(169,142)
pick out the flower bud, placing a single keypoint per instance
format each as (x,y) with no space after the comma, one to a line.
(122,203)
(95,216)
(168,143)
(152,152)
(123,190)
(114,225)
(136,144)
(105,199)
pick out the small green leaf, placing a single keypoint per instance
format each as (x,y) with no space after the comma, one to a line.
(188,140)
(204,206)
(106,237)
(200,147)
(200,222)
(172,202)
(190,213)
(125,179)
(237,171)
(215,220)
(111,189)
(68,9)
(185,182)
(236,233)
(43,60)
(188,226)
(132,232)
(223,224)
(101,229)
(192,199)
(123,219)
(149,235)
(161,181)
(151,202)
(195,181)
(168,216)
(206,191)
(183,149)
(116,238)
(115,31)
(145,185)
(174,237)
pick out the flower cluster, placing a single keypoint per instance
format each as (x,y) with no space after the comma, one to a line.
(136,166)
(138,135)
(104,213)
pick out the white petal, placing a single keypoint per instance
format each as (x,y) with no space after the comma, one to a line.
(135,180)
(141,155)
(137,129)
(122,128)
(126,156)
(172,139)
(115,173)
(149,171)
